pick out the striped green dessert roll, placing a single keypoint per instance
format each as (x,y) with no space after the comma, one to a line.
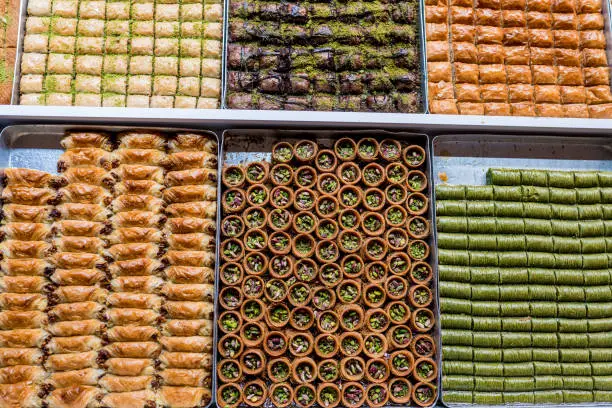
(571,261)
(607,211)
(576,369)
(599,325)
(504,177)
(457,337)
(564,228)
(520,355)
(585,179)
(572,340)
(597,293)
(453,257)
(538,227)
(562,196)
(595,245)
(593,261)
(456,208)
(563,211)
(487,355)
(452,241)
(598,339)
(458,367)
(578,383)
(457,382)
(534,194)
(571,355)
(598,355)
(548,397)
(458,397)
(480,258)
(599,310)
(489,383)
(517,384)
(511,243)
(489,369)
(569,294)
(544,324)
(561,179)
(539,243)
(479,193)
(542,292)
(508,209)
(485,308)
(590,212)
(548,382)
(518,397)
(601,368)
(456,306)
(481,225)
(456,321)
(566,245)
(606,195)
(541,276)
(608,241)
(569,277)
(516,324)
(543,368)
(588,196)
(514,340)
(510,226)
(603,383)
(572,310)
(575,396)
(594,278)
(486,323)
(542,308)
(484,275)
(454,273)
(457,353)
(513,292)
(514,309)
(449,192)
(537,210)
(547,355)
(488,398)
(485,292)
(508,193)
(544,340)
(572,325)
(513,275)
(534,178)
(487,339)
(605,178)
(515,259)
(602,396)
(480,208)
(482,242)
(457,290)
(591,228)
(452,224)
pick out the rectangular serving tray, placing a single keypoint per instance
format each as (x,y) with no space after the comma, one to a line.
(244,145)
(465,159)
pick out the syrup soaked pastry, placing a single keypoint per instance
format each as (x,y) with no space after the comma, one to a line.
(140,284)
(92,245)
(25,231)
(149,157)
(77,293)
(136,267)
(141,140)
(25,177)
(191,160)
(146,219)
(189,274)
(23,338)
(26,213)
(23,395)
(141,202)
(15,249)
(122,252)
(86,376)
(194,327)
(184,194)
(129,366)
(189,310)
(74,344)
(22,373)
(20,356)
(73,396)
(75,311)
(188,225)
(198,209)
(83,212)
(135,234)
(186,377)
(77,277)
(117,383)
(76,140)
(132,333)
(76,328)
(190,258)
(184,397)
(28,267)
(135,300)
(139,187)
(23,301)
(190,344)
(182,142)
(79,228)
(141,398)
(72,260)
(139,172)
(190,177)
(190,292)
(191,242)
(93,175)
(85,157)
(25,195)
(22,284)
(83,193)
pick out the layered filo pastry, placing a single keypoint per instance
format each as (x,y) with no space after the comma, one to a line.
(77,307)
(27,240)
(190,196)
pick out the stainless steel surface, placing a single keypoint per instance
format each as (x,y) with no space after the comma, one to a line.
(38,147)
(243,146)
(465,159)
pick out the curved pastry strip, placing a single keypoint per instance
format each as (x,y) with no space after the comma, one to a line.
(185,360)
(26,338)
(139,172)
(115,383)
(186,377)
(83,212)
(19,395)
(129,366)
(69,294)
(198,209)
(183,194)
(135,234)
(191,242)
(28,195)
(142,140)
(141,202)
(139,187)
(191,160)
(75,311)
(25,177)
(184,397)
(22,284)
(21,373)
(76,328)
(189,274)
(91,245)
(136,267)
(27,267)
(82,396)
(85,156)
(196,327)
(71,361)
(190,258)
(26,231)
(183,142)
(122,316)
(134,300)
(82,193)
(79,228)
(77,277)
(27,213)
(86,376)
(191,177)
(190,292)
(76,140)
(23,301)
(20,356)
(93,175)
(148,157)
(189,310)
(191,344)
(190,225)
(74,344)
(24,249)
(132,399)
(73,260)
(122,252)
(137,219)
(142,284)
(132,333)
(10,320)
(142,349)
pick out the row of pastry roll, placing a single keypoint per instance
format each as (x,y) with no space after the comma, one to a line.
(26,228)
(186,337)
(76,313)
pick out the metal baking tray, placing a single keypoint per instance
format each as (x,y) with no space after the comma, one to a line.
(465,159)
(243,146)
(38,147)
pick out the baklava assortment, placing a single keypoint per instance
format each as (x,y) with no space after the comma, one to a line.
(518,57)
(121,53)
(9,16)
(351,56)
(107,274)
(326,292)
(525,288)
